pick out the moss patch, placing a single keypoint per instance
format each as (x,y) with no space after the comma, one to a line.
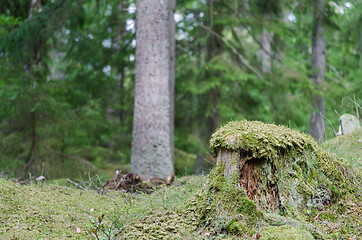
(224,206)
(54,212)
(348,147)
(285,233)
(35,212)
(262,140)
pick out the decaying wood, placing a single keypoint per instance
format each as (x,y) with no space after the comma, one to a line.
(77,185)
(132,182)
(249,170)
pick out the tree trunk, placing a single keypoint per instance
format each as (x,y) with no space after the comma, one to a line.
(171,10)
(34,5)
(118,42)
(31,160)
(151,148)
(318,70)
(214,48)
(360,43)
(266,39)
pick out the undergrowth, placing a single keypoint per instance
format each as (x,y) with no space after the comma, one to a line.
(56,212)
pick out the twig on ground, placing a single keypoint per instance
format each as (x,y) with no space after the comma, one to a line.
(77,185)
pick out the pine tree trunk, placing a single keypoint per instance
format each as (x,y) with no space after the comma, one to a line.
(318,70)
(118,41)
(31,160)
(266,39)
(360,43)
(151,149)
(172,29)
(214,48)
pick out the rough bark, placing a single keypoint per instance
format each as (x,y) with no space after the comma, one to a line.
(151,149)
(172,29)
(318,70)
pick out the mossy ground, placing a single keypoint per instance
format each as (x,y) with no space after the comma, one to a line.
(285,232)
(58,212)
(348,147)
(50,211)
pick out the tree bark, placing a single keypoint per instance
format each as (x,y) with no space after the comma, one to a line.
(151,148)
(318,70)
(172,29)
(360,43)
(266,39)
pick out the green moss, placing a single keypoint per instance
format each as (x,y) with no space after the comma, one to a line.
(224,197)
(246,206)
(285,232)
(307,178)
(235,227)
(348,147)
(295,222)
(54,212)
(293,154)
(263,140)
(47,211)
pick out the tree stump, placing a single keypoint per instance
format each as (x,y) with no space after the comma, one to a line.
(268,169)
(276,166)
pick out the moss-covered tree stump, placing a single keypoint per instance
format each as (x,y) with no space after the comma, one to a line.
(268,169)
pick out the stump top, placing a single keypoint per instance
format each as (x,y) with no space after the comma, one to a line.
(260,139)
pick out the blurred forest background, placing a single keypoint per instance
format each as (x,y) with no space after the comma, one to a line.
(67,72)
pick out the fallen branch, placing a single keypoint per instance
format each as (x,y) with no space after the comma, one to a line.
(77,185)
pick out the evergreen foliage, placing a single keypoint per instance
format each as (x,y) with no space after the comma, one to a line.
(67,75)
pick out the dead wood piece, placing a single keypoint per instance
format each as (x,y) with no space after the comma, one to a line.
(127,182)
(131,182)
(77,185)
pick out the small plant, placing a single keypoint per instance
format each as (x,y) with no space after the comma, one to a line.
(102,229)
(94,183)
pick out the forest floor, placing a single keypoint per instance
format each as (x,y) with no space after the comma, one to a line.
(56,210)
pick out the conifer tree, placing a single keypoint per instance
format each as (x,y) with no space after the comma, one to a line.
(151,146)
(319,70)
